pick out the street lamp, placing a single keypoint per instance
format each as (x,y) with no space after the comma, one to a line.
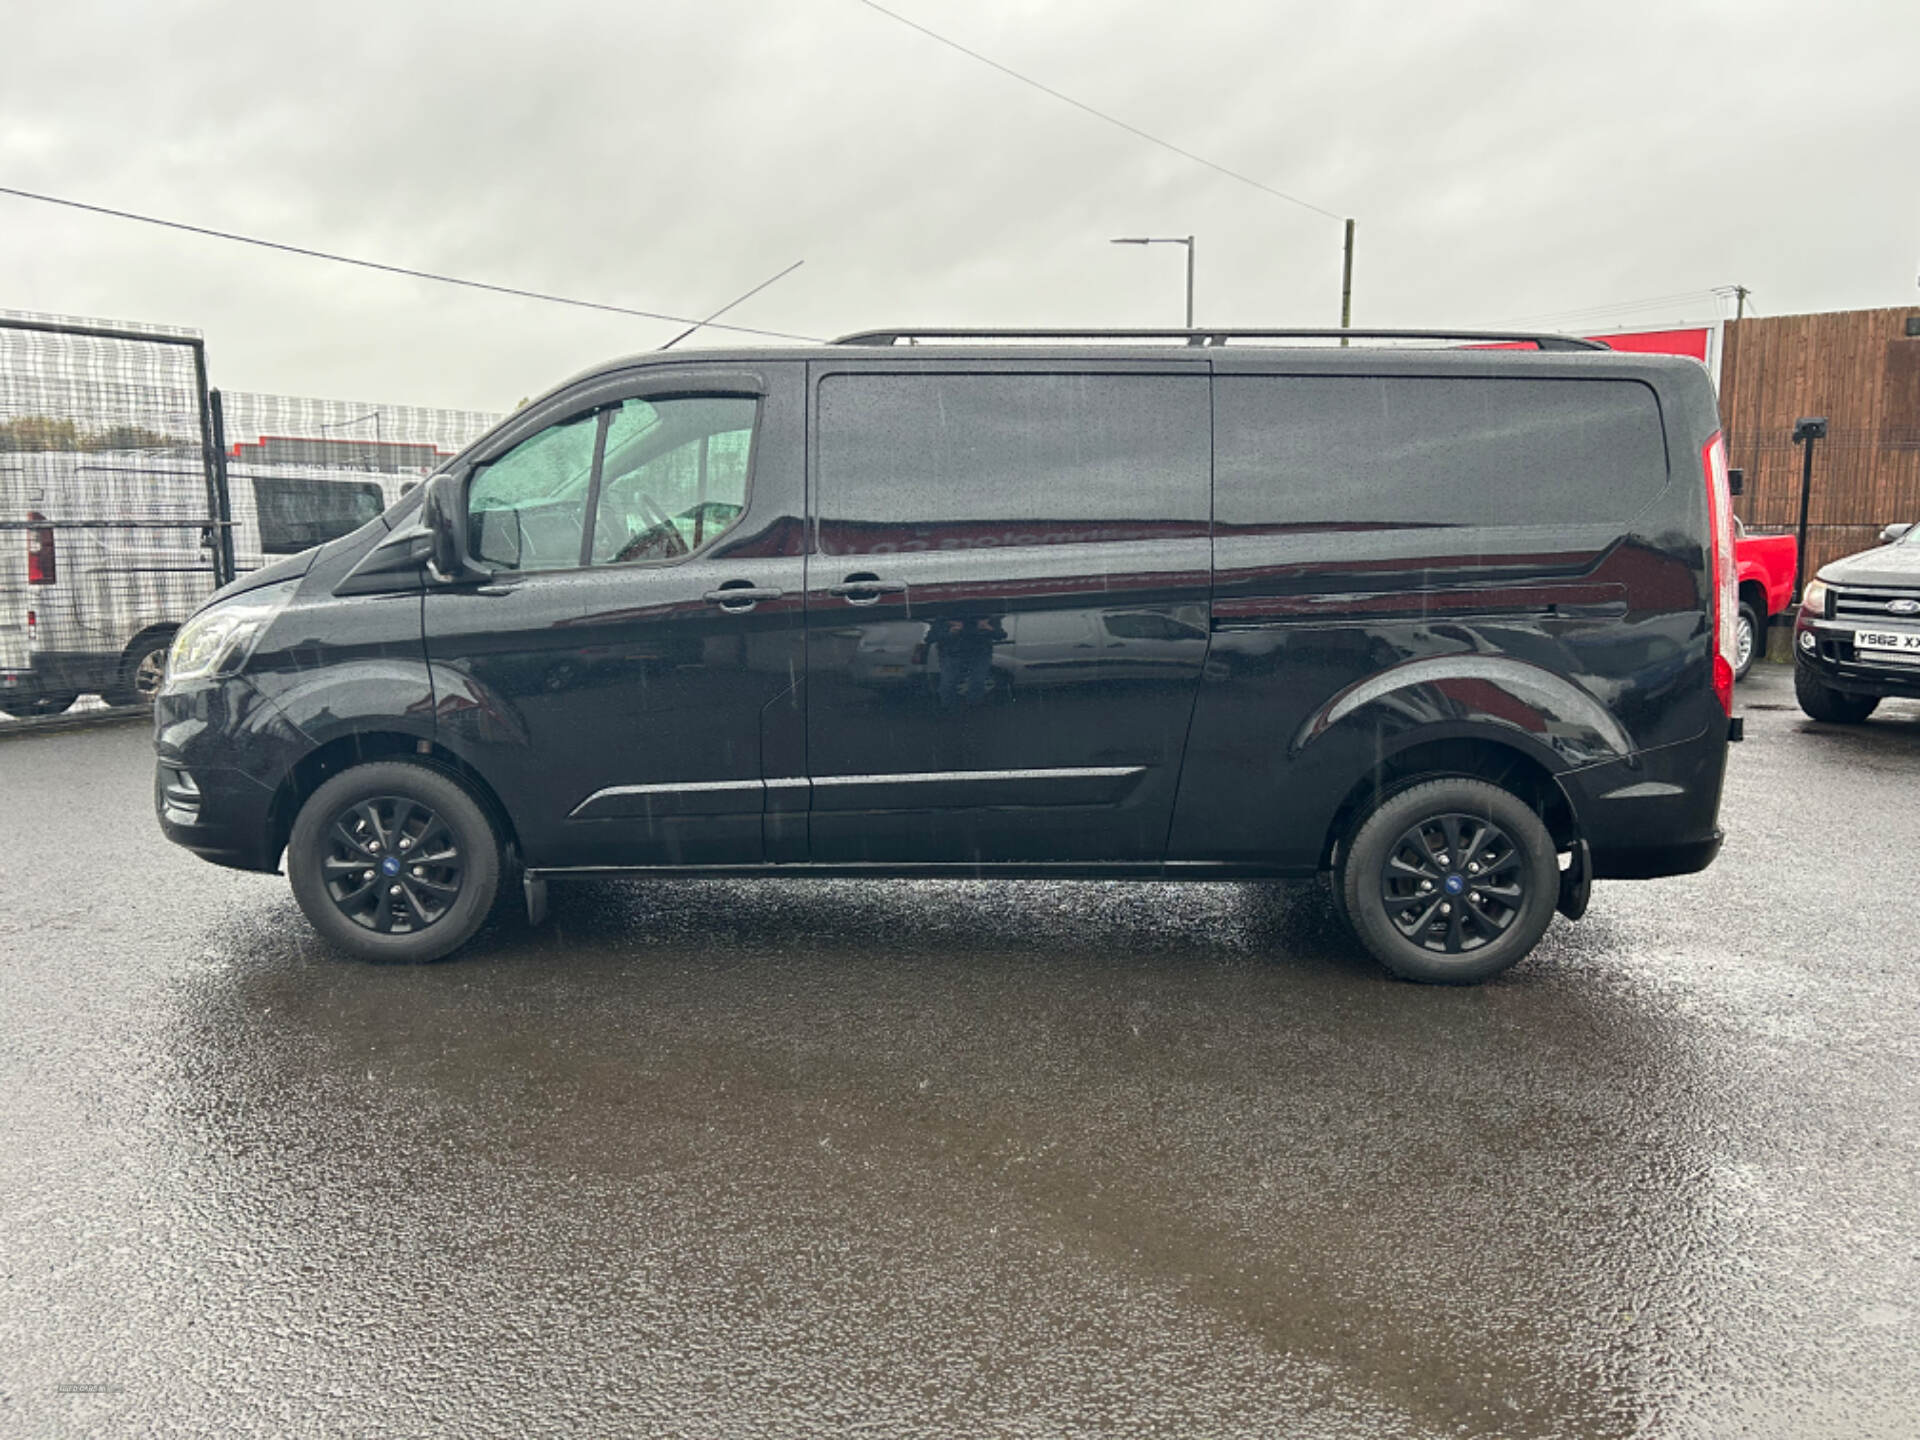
(1168,240)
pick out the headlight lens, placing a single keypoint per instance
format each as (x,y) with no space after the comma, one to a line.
(1814,599)
(219,639)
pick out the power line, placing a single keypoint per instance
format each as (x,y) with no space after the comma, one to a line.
(391,269)
(1114,120)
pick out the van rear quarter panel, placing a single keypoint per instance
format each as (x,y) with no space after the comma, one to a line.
(1579,645)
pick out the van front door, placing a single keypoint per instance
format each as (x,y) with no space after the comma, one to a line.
(1007,608)
(615,678)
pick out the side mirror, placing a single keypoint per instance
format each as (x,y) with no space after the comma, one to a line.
(443,517)
(1895,532)
(407,487)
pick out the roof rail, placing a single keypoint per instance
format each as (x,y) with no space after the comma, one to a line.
(1212,336)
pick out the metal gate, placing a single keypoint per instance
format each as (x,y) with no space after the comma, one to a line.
(114,522)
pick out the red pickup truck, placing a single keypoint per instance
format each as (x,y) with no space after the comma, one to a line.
(1765,565)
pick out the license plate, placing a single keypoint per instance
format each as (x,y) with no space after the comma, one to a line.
(1887,644)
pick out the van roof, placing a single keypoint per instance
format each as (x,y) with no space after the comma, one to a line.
(1479,352)
(1476,352)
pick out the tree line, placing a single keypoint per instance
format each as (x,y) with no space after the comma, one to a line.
(29,433)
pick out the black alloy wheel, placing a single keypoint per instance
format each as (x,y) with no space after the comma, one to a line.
(394,860)
(393,866)
(1453,883)
(1450,880)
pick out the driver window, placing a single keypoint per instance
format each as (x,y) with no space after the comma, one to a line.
(527,510)
(675,477)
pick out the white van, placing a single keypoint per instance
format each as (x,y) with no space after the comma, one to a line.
(90,601)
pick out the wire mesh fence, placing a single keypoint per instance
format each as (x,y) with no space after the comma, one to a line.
(301,471)
(130,491)
(106,504)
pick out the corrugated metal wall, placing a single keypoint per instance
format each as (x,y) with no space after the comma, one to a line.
(1860,369)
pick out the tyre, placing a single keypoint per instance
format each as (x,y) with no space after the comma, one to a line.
(1451,881)
(1749,632)
(1824,703)
(395,862)
(142,669)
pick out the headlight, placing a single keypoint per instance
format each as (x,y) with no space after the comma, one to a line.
(219,639)
(1814,599)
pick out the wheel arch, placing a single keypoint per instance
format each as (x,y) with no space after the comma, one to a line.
(1462,757)
(1754,593)
(344,752)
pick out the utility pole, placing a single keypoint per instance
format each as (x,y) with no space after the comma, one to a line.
(1346,285)
(1739,302)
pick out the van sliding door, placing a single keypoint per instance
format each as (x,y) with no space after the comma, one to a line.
(1007,592)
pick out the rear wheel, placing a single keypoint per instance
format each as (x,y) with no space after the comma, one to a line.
(142,670)
(1822,702)
(1746,639)
(395,862)
(1451,881)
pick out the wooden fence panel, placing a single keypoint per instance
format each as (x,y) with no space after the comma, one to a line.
(1860,369)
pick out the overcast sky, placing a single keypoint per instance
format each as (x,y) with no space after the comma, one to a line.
(1505,161)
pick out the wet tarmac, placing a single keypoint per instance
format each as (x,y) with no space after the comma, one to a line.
(826,1158)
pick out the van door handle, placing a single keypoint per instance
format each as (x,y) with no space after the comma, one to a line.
(741,597)
(493,589)
(865,589)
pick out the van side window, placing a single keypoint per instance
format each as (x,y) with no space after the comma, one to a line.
(527,509)
(1390,452)
(935,461)
(675,477)
(296,514)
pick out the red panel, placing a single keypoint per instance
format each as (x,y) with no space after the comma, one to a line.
(1691,343)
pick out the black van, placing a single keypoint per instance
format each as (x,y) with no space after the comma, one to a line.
(1449,625)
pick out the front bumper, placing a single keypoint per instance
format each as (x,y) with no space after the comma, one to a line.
(222,751)
(218,813)
(1832,659)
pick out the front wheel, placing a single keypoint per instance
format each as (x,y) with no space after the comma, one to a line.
(1451,881)
(394,862)
(1821,702)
